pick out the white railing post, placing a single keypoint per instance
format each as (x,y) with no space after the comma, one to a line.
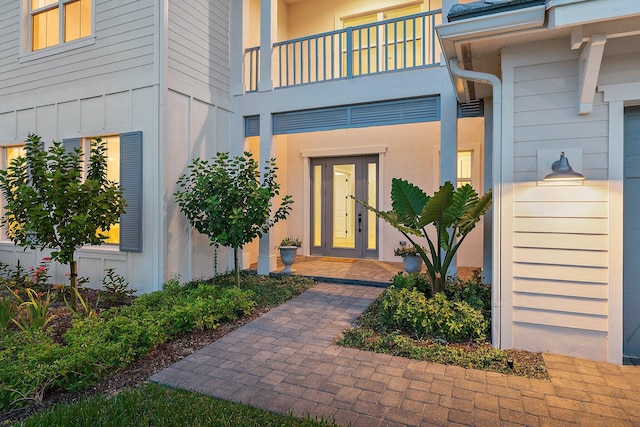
(268,36)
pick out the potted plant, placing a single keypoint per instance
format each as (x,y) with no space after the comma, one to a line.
(288,249)
(411,259)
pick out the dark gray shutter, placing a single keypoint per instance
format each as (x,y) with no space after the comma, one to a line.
(131,182)
(251,126)
(71,144)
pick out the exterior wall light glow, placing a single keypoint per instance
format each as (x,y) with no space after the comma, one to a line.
(562,171)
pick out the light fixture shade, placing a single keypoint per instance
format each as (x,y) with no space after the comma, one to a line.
(562,171)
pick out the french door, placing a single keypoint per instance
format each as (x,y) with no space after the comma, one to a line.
(340,226)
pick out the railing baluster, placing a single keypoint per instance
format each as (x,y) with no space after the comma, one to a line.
(415,62)
(349,52)
(335,54)
(404,44)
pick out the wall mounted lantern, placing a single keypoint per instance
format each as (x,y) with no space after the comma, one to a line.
(562,171)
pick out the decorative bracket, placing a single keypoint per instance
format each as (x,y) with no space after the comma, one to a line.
(589,70)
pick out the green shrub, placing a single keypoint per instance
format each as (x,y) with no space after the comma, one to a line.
(116,289)
(472,291)
(410,310)
(31,363)
(419,281)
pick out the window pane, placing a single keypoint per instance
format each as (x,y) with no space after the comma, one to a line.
(344,187)
(317,205)
(113,174)
(37,4)
(465,160)
(372,189)
(77,20)
(13,153)
(45,29)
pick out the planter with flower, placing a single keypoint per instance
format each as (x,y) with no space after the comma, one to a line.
(288,250)
(411,259)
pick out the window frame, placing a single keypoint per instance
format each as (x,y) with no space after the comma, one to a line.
(28,54)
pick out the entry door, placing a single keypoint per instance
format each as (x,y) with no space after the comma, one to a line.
(631,245)
(340,226)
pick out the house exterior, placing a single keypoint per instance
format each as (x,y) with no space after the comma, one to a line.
(165,82)
(347,95)
(558,76)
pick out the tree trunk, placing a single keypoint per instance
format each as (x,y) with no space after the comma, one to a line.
(237,266)
(73,277)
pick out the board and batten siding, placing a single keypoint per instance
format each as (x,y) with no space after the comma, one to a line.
(198,48)
(560,240)
(123,51)
(114,113)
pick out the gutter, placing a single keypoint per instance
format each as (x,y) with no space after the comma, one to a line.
(496,163)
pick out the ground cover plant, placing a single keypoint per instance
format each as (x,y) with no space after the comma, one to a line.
(41,361)
(154,405)
(450,328)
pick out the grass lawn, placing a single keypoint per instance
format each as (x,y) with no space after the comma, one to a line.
(154,405)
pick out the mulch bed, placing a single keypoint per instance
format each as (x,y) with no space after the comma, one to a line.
(133,375)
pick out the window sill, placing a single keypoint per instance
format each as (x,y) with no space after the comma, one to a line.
(54,50)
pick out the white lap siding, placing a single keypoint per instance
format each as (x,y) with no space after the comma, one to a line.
(558,262)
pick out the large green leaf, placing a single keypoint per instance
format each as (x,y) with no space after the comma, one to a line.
(408,201)
(464,198)
(473,214)
(433,211)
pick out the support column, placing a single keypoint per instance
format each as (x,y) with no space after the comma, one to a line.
(239,15)
(487,220)
(267,258)
(268,36)
(449,145)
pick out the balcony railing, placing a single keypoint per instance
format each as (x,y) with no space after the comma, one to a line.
(391,45)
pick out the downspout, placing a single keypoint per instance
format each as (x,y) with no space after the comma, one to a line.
(496,164)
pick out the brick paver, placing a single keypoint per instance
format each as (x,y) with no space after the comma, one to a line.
(286,361)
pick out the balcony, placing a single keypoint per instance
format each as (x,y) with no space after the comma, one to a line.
(395,44)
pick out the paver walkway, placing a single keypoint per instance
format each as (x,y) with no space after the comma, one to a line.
(286,361)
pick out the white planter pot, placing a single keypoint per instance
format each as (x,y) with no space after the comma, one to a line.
(288,257)
(412,263)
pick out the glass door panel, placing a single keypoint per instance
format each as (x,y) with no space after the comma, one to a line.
(317,205)
(372,198)
(340,226)
(344,182)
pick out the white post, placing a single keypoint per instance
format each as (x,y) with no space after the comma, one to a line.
(268,36)
(238,30)
(267,260)
(449,146)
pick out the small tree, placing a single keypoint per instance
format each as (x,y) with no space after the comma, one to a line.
(453,213)
(49,204)
(226,200)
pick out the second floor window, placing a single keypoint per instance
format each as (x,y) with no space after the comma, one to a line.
(59,21)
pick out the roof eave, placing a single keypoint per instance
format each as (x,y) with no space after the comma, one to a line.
(454,35)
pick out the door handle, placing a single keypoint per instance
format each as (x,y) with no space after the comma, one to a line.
(360,222)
